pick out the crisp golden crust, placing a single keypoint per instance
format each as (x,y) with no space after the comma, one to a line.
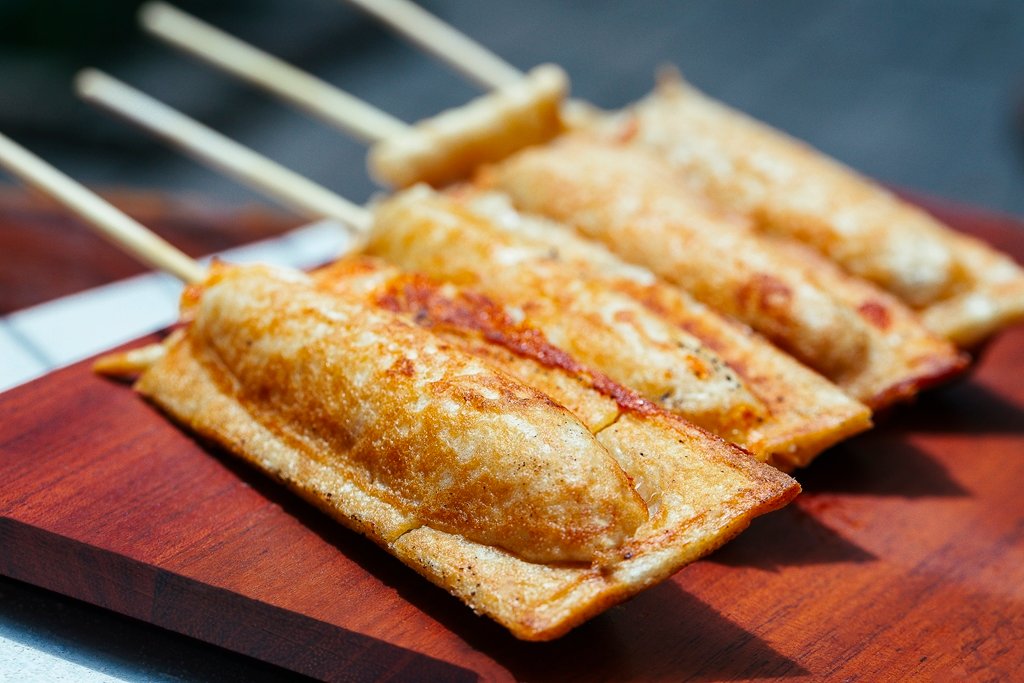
(129,364)
(905,357)
(478,326)
(796,413)
(699,490)
(806,412)
(964,289)
(447,147)
(437,235)
(971,316)
(625,198)
(438,434)
(636,206)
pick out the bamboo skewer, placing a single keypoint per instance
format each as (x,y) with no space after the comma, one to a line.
(442,40)
(247,62)
(107,220)
(476,134)
(324,100)
(218,151)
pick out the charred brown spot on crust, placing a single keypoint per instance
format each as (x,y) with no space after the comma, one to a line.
(709,338)
(746,416)
(403,366)
(698,367)
(875,313)
(531,307)
(421,298)
(765,293)
(504,394)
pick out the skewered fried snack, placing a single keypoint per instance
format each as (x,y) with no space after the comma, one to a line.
(794,418)
(485,485)
(780,438)
(619,320)
(963,289)
(807,413)
(826,329)
(449,146)
(853,333)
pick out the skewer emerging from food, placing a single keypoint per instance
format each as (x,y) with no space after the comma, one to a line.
(619,320)
(963,289)
(377,396)
(627,198)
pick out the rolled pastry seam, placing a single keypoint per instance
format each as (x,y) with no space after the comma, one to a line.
(449,146)
(807,413)
(701,491)
(963,289)
(528,262)
(844,328)
(426,232)
(439,434)
(475,325)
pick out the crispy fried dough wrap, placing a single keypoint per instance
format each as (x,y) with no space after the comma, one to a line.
(964,290)
(439,435)
(449,146)
(853,333)
(480,482)
(552,279)
(430,233)
(806,412)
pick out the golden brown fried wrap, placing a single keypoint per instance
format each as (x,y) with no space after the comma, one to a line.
(483,484)
(853,333)
(963,289)
(807,413)
(550,277)
(449,146)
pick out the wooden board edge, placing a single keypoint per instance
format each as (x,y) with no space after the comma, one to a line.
(177,603)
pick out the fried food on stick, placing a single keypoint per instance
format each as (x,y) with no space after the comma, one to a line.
(488,487)
(446,441)
(638,347)
(450,146)
(857,336)
(600,310)
(354,387)
(963,289)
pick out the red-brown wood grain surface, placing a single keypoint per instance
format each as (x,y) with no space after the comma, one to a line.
(903,559)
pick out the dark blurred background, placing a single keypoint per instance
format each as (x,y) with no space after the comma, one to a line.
(924,94)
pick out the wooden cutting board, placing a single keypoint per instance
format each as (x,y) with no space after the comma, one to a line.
(903,559)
